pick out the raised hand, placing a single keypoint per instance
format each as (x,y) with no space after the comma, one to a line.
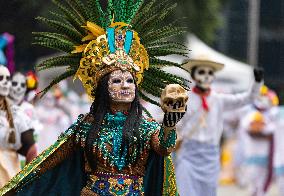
(258,74)
(172,118)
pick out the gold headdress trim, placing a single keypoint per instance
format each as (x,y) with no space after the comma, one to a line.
(97,59)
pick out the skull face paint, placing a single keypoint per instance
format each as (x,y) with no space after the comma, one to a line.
(5,81)
(121,87)
(18,88)
(204,76)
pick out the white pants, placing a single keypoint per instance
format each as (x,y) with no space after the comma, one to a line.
(280,184)
(257,176)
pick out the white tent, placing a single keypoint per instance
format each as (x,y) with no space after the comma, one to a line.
(235,77)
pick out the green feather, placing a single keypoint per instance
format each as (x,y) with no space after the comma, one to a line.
(148,114)
(80,9)
(71,17)
(67,60)
(56,36)
(62,28)
(148,99)
(59,78)
(162,34)
(160,63)
(54,44)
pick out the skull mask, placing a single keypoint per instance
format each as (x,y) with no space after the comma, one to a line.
(18,88)
(5,82)
(203,76)
(121,87)
(172,94)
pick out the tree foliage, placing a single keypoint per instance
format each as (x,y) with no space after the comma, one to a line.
(201,17)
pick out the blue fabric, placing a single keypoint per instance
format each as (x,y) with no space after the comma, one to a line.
(256,160)
(197,169)
(279,171)
(66,179)
(111,39)
(128,41)
(3,43)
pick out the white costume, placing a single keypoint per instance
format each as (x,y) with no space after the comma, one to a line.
(9,162)
(279,150)
(16,132)
(52,117)
(258,152)
(198,159)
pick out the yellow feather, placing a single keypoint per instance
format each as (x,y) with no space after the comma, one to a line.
(94,29)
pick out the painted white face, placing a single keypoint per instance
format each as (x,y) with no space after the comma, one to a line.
(204,76)
(5,81)
(263,102)
(121,87)
(18,88)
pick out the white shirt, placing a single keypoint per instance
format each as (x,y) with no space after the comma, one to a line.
(207,127)
(257,147)
(21,124)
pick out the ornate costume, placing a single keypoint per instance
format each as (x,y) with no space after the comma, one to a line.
(109,152)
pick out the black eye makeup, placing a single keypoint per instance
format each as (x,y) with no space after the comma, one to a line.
(201,72)
(116,80)
(130,80)
(210,72)
(14,83)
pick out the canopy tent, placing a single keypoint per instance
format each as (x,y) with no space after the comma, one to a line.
(235,77)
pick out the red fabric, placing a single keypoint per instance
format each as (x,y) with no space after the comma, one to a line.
(203,96)
(270,165)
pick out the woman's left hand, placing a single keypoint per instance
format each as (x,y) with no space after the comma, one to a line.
(172,118)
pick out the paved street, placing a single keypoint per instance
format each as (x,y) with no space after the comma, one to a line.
(235,191)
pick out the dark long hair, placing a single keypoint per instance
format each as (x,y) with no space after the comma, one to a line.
(100,107)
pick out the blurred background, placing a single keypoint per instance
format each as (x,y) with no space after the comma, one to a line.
(239,33)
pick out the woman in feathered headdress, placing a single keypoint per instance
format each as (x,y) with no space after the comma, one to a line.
(112,150)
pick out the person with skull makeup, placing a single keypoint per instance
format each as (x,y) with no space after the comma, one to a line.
(113,149)
(16,135)
(258,123)
(17,97)
(197,164)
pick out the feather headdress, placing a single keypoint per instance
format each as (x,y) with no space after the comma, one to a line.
(128,34)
